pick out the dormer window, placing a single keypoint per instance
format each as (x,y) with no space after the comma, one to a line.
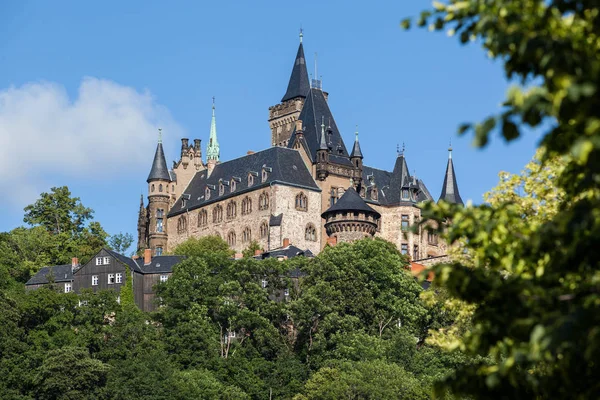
(405,194)
(221,188)
(374,193)
(251,176)
(207,194)
(265,173)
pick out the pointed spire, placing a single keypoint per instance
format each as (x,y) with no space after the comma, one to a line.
(141,202)
(159,170)
(356,152)
(298,85)
(212,150)
(323,144)
(450,191)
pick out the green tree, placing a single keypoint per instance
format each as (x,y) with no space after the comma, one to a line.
(534,284)
(120,242)
(70,373)
(58,212)
(363,380)
(359,287)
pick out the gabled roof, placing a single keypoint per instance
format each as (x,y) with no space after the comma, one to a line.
(285,167)
(159,170)
(314,112)
(123,259)
(298,85)
(450,192)
(59,273)
(350,201)
(158,264)
(290,251)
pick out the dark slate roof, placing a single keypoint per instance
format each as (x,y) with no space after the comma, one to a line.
(450,188)
(356,152)
(286,167)
(298,85)
(350,201)
(123,259)
(158,264)
(290,251)
(389,185)
(159,169)
(275,220)
(61,273)
(314,112)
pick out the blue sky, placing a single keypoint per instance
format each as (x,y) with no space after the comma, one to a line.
(84,86)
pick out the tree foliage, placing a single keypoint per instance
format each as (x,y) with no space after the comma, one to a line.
(533,270)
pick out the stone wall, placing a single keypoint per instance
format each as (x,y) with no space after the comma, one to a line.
(281,200)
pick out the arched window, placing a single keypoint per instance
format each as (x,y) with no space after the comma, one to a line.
(217,214)
(207,194)
(246,235)
(152,188)
(301,202)
(231,238)
(160,188)
(231,209)
(202,218)
(182,224)
(310,233)
(232,185)
(221,188)
(264,229)
(264,176)
(250,179)
(246,205)
(263,201)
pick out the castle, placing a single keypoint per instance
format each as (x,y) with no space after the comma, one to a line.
(306,189)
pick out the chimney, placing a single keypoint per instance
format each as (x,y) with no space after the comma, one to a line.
(249,152)
(286,242)
(147,256)
(299,130)
(197,144)
(135,257)
(257,252)
(74,263)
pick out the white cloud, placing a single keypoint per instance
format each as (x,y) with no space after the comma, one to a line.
(107,128)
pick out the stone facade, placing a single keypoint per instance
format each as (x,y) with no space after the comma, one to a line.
(281,200)
(281,120)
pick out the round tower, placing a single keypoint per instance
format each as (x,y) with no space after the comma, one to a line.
(350,218)
(158,201)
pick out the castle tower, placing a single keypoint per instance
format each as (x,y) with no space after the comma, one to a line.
(350,218)
(142,226)
(450,192)
(158,200)
(283,115)
(356,158)
(212,150)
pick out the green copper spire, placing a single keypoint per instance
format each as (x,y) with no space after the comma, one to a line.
(212,151)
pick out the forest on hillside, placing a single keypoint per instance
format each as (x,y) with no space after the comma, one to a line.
(514,315)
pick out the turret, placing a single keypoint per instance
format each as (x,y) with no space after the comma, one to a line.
(450,192)
(356,158)
(350,218)
(322,155)
(212,150)
(158,200)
